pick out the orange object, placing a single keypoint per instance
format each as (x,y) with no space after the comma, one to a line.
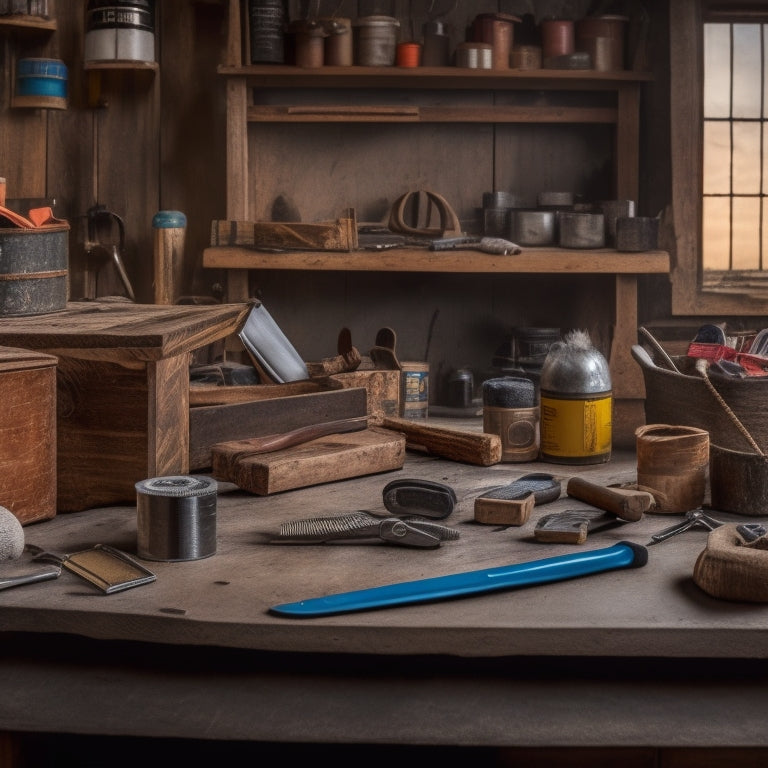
(408,55)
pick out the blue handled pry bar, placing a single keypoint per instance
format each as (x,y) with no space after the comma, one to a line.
(625,554)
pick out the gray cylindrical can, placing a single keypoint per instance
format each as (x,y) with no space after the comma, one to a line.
(120,30)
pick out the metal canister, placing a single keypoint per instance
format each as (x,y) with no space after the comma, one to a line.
(576,403)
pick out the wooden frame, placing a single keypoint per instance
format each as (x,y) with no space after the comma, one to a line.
(686,128)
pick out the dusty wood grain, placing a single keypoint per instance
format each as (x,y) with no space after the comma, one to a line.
(327,459)
(28,434)
(456,444)
(280,413)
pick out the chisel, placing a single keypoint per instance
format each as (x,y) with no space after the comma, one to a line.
(625,554)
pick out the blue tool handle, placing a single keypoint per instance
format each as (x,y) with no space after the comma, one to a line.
(625,554)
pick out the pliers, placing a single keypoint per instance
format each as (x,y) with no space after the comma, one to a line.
(693,519)
(405,532)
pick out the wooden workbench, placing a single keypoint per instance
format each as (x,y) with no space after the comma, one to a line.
(633,658)
(122,389)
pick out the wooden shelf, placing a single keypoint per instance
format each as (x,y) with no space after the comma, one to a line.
(531,260)
(119,64)
(432,78)
(23,22)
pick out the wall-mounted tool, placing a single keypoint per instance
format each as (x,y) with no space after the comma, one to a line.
(625,554)
(512,504)
(105,244)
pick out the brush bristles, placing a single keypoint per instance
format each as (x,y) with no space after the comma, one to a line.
(324,526)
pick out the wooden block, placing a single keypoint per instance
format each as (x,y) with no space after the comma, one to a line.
(479,448)
(504,511)
(339,235)
(383,388)
(328,459)
(213,424)
(28,434)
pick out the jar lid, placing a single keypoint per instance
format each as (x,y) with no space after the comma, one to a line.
(377,21)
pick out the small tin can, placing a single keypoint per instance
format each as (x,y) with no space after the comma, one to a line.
(414,394)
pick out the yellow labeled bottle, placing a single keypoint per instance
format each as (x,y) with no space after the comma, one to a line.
(576,403)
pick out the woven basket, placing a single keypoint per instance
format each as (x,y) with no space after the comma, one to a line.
(682,397)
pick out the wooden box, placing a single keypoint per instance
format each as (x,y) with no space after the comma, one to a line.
(28,434)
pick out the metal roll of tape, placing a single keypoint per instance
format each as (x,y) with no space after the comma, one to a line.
(176,518)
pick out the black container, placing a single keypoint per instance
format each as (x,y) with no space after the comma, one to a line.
(267,19)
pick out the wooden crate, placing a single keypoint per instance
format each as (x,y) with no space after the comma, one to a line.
(28,434)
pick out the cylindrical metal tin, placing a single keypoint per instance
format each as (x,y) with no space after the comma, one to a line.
(120,30)
(511,412)
(41,83)
(576,403)
(34,271)
(267,31)
(436,51)
(176,518)
(497,30)
(603,38)
(376,41)
(637,233)
(474,55)
(414,394)
(461,385)
(581,230)
(612,210)
(408,55)
(525,57)
(532,228)
(558,38)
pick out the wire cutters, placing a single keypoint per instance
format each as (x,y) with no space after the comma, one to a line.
(696,518)
(408,532)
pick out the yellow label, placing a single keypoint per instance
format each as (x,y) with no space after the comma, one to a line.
(576,428)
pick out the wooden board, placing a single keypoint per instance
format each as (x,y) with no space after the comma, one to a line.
(339,235)
(214,424)
(327,459)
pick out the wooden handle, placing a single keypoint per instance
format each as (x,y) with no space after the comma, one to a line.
(169,264)
(480,448)
(623,502)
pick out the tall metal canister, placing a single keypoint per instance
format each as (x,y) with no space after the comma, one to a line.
(576,403)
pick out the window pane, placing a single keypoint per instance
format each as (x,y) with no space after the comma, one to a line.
(715,241)
(746,155)
(717,158)
(746,233)
(717,70)
(747,70)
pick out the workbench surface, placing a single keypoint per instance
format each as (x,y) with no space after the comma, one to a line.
(639,656)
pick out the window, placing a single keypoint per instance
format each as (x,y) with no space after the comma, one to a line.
(719,140)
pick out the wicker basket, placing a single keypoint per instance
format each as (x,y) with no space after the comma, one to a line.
(682,397)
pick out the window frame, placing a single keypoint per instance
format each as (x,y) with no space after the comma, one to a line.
(686,56)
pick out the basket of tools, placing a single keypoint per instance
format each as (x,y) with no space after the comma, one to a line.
(719,385)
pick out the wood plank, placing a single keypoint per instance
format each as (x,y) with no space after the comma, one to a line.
(531,260)
(339,235)
(213,424)
(122,331)
(327,459)
(427,114)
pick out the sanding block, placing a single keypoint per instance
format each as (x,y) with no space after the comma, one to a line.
(573,525)
(512,504)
